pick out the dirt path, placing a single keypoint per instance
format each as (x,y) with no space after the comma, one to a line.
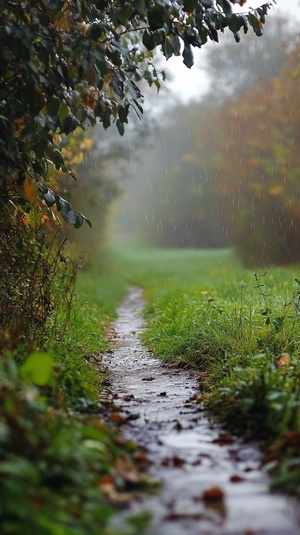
(189,454)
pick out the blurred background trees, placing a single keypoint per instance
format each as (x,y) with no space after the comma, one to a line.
(225,170)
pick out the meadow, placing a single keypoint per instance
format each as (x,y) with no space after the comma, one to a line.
(238,328)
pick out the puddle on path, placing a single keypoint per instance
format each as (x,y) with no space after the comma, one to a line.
(184,447)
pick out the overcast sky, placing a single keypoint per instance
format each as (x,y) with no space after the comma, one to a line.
(187,83)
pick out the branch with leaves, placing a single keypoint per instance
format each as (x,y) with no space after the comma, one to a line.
(68,64)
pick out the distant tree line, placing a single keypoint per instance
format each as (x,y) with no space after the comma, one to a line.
(226,170)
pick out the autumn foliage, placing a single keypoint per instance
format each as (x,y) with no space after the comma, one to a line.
(260,168)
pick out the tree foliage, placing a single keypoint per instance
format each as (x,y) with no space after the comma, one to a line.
(69,63)
(260,167)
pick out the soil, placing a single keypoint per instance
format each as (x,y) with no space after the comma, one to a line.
(211,482)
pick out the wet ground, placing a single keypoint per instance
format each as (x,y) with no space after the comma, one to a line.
(212,483)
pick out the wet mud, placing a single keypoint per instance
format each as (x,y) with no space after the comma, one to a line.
(212,483)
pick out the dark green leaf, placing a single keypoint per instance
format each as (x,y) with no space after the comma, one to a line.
(73,218)
(49,198)
(174,39)
(133,88)
(62,205)
(117,84)
(123,114)
(156,17)
(149,40)
(53,105)
(106,118)
(120,127)
(226,6)
(167,48)
(256,24)
(188,57)
(96,31)
(190,5)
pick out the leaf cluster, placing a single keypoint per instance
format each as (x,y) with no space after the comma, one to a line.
(68,64)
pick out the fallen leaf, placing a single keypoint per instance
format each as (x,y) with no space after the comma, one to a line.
(148,378)
(283,361)
(237,479)
(116,418)
(213,494)
(141,457)
(183,516)
(178,461)
(177,425)
(129,397)
(223,438)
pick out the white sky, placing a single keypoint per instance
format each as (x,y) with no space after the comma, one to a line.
(187,83)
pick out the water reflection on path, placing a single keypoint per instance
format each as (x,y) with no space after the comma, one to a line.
(188,453)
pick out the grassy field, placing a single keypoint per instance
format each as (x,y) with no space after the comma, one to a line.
(240,328)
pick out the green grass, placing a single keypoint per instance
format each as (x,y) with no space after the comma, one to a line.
(233,325)
(56,448)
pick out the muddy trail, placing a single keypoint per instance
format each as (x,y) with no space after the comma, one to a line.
(212,483)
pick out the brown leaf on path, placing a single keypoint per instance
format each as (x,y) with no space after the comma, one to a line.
(141,457)
(223,438)
(148,378)
(116,418)
(213,494)
(236,479)
(174,516)
(175,461)
(128,397)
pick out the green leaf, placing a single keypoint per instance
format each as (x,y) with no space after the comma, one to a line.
(236,36)
(106,118)
(190,5)
(37,368)
(63,111)
(125,13)
(175,41)
(256,24)
(73,218)
(57,159)
(156,17)
(120,127)
(149,40)
(62,205)
(133,89)
(226,6)
(167,49)
(117,85)
(188,56)
(53,105)
(123,114)
(37,167)
(87,221)
(49,198)
(95,31)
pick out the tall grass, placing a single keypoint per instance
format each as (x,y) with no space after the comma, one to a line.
(55,455)
(241,329)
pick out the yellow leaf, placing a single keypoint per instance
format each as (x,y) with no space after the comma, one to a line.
(30,191)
